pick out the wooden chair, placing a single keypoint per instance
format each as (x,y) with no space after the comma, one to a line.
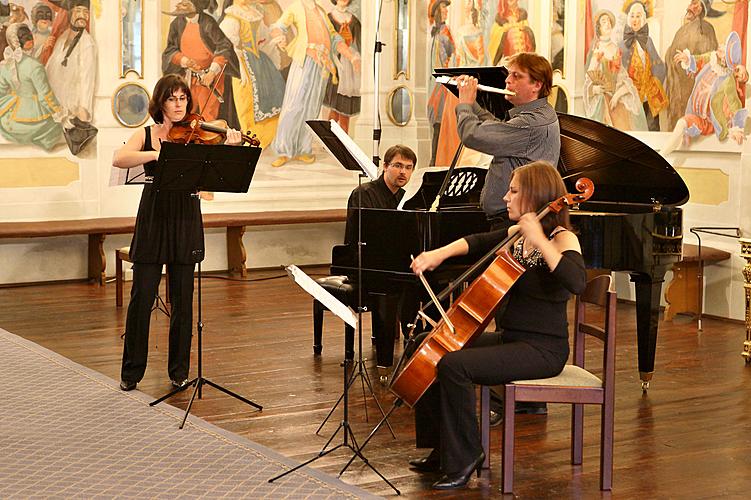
(123,255)
(574,385)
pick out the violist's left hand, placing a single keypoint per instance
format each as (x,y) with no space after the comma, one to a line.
(532,230)
(234,137)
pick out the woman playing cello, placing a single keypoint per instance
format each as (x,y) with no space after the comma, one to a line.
(168,231)
(532,341)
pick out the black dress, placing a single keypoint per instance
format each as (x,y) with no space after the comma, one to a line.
(168,226)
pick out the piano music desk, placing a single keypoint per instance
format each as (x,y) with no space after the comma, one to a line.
(685,291)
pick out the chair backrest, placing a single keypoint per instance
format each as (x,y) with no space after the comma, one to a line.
(598,292)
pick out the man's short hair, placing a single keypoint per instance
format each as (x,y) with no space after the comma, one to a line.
(401,150)
(538,67)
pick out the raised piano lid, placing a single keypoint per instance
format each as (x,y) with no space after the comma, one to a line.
(626,172)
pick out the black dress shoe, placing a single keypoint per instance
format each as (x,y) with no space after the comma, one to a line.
(126,385)
(179,385)
(496,417)
(461,478)
(431,463)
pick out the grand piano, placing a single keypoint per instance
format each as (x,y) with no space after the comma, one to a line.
(633,222)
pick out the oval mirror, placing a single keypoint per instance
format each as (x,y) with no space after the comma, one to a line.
(130,104)
(400,106)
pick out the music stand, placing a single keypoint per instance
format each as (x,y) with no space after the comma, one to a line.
(192,168)
(351,157)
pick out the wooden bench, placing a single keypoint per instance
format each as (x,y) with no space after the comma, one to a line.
(685,291)
(98,229)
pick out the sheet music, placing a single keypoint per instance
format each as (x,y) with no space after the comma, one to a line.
(123,176)
(366,164)
(321,295)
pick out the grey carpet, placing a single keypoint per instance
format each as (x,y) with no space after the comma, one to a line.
(69,432)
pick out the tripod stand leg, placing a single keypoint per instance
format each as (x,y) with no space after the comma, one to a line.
(341,397)
(230,393)
(300,466)
(199,382)
(366,380)
(159,305)
(173,392)
(396,405)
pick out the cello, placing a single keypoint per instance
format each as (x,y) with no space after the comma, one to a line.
(473,309)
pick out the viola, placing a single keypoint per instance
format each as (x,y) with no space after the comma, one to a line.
(471,312)
(193,129)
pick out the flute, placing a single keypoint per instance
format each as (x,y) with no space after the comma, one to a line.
(448,80)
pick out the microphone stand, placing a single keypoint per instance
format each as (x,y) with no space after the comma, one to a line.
(377,49)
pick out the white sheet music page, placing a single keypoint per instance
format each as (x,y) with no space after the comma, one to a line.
(322,295)
(366,164)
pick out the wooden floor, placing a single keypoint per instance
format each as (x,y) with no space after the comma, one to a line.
(688,437)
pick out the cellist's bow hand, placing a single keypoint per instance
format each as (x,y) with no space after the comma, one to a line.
(531,229)
(234,137)
(426,261)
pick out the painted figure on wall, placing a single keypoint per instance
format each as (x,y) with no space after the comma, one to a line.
(715,105)
(441,102)
(197,50)
(10,13)
(698,37)
(29,111)
(311,49)
(71,70)
(343,98)
(470,37)
(610,96)
(272,11)
(642,62)
(218,9)
(510,33)
(41,22)
(259,91)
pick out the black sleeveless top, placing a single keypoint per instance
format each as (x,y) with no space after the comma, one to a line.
(169,228)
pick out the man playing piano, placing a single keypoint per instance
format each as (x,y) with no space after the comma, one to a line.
(385,192)
(529,133)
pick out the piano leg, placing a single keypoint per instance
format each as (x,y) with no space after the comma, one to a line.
(648,293)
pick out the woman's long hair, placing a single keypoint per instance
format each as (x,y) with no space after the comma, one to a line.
(539,184)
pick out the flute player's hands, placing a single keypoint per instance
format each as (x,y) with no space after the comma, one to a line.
(467,89)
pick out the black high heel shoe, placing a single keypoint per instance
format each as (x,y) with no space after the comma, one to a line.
(461,478)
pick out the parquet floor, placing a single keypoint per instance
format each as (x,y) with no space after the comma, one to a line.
(688,437)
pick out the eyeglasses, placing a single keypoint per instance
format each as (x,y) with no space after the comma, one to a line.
(402,166)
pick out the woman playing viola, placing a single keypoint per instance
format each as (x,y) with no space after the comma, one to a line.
(168,231)
(532,337)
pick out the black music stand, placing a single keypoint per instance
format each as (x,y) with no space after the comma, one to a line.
(352,158)
(192,168)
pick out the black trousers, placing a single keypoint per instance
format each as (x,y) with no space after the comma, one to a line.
(445,417)
(146,279)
